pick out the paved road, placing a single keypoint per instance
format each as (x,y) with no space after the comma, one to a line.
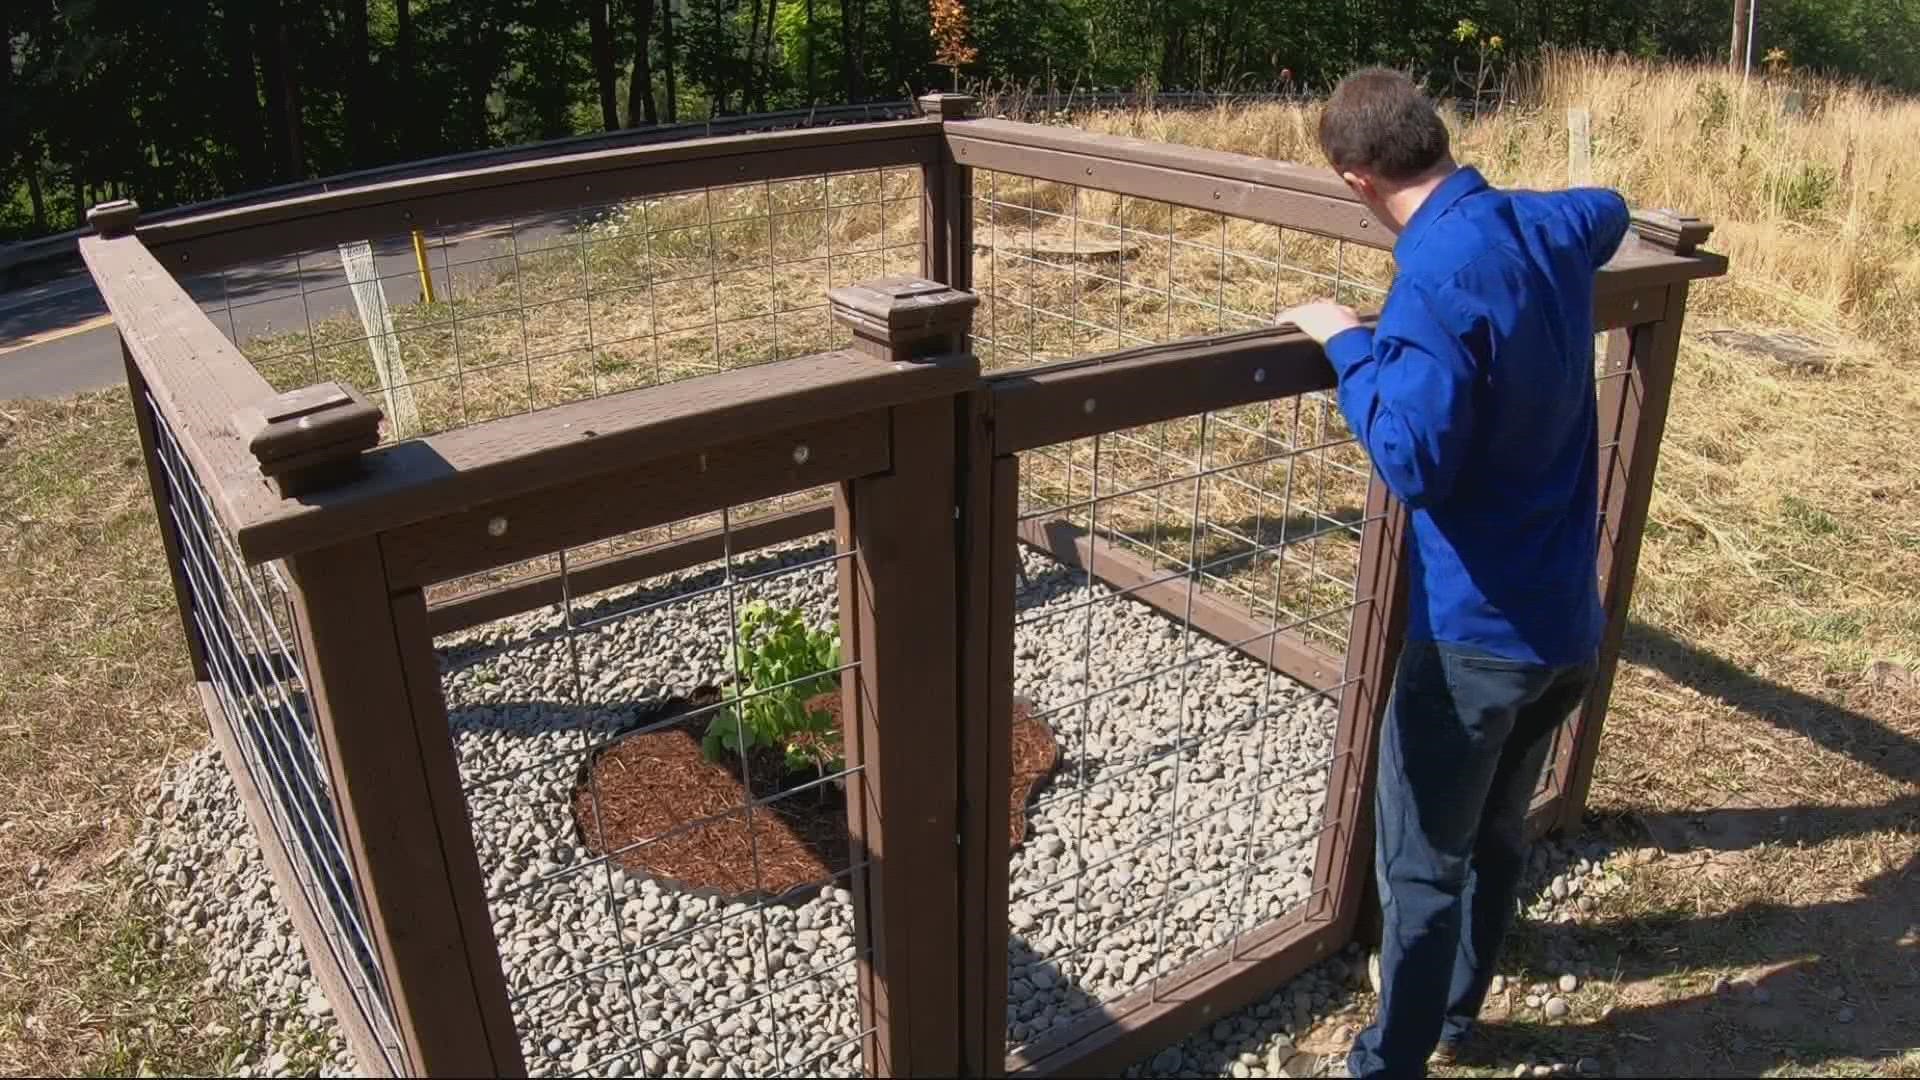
(56,338)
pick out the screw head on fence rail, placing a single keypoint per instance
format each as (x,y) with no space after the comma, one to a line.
(310,437)
(905,318)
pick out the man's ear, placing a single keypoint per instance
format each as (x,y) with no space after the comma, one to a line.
(1361,185)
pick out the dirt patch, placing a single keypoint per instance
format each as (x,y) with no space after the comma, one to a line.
(655,805)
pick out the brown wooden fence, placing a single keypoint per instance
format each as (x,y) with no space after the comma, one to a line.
(1039,454)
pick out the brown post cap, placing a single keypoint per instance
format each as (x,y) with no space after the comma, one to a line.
(114,218)
(948,106)
(904,318)
(310,437)
(1679,233)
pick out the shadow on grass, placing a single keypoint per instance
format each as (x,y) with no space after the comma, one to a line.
(1841,730)
(1820,987)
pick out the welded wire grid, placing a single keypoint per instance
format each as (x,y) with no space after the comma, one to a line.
(663,907)
(243,621)
(1190,795)
(1189,800)
(1064,271)
(574,304)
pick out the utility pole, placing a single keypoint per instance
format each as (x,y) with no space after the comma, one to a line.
(1737,57)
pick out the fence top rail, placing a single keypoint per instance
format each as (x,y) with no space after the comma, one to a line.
(194,243)
(205,389)
(197,378)
(1092,395)
(1204,163)
(58,245)
(1661,251)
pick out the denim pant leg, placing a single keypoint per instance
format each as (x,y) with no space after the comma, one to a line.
(1500,851)
(1441,743)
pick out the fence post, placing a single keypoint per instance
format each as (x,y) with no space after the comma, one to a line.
(375,687)
(1633,419)
(946,215)
(1343,866)
(112,219)
(900,608)
(989,561)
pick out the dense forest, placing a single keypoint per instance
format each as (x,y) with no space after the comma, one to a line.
(187,99)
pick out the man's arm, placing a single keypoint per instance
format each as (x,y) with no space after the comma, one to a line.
(1406,391)
(1602,218)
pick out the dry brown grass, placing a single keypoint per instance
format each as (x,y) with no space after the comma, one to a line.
(94,704)
(1753,746)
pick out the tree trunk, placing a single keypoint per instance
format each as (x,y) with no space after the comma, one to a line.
(851,15)
(244,122)
(755,88)
(766,54)
(359,101)
(269,55)
(666,28)
(290,89)
(896,49)
(481,65)
(717,92)
(640,89)
(601,35)
(404,137)
(1737,54)
(38,196)
(813,68)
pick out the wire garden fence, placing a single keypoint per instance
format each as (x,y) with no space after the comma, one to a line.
(876,599)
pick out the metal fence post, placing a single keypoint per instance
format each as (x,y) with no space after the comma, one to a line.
(900,607)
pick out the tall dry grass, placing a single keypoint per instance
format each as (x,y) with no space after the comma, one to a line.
(1814,186)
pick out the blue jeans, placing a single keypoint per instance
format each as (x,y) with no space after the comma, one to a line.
(1461,751)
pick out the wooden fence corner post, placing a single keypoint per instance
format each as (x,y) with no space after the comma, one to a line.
(946,214)
(374,682)
(900,610)
(1633,418)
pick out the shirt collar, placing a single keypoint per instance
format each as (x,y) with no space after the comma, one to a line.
(1464,181)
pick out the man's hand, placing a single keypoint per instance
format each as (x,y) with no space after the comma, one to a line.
(1321,320)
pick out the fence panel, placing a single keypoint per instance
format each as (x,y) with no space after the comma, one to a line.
(1091,759)
(254,685)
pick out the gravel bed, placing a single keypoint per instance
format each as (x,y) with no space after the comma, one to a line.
(1165,831)
(1290,1032)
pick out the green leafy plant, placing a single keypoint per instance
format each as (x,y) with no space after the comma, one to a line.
(783,663)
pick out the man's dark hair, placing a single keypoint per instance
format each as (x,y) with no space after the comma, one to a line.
(1378,121)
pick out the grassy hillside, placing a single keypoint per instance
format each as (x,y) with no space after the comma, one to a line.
(1762,762)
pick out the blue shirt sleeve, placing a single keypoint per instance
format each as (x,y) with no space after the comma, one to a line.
(1601,218)
(1407,389)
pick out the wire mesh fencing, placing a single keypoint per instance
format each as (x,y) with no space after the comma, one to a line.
(656,782)
(1064,271)
(1188,797)
(242,623)
(571,304)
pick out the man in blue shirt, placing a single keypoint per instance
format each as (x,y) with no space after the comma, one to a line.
(1474,396)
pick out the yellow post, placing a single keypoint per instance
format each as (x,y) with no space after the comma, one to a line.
(420,257)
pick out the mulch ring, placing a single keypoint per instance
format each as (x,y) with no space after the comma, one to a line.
(655,805)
